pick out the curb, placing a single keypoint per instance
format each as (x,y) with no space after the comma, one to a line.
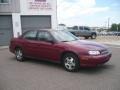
(4,47)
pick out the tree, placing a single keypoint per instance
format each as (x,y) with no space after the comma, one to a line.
(119,27)
(113,27)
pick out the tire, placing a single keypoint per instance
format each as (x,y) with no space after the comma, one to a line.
(86,37)
(19,54)
(93,36)
(71,62)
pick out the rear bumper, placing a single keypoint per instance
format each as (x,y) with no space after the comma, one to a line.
(92,61)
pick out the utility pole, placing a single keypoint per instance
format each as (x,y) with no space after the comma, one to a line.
(117,30)
(108,23)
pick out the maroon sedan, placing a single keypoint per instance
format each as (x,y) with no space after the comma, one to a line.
(61,47)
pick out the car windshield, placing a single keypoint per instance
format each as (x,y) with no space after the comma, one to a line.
(64,36)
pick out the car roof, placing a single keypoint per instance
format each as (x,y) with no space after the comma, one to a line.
(49,30)
(46,30)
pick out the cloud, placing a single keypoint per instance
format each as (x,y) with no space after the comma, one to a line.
(115,4)
(74,8)
(94,10)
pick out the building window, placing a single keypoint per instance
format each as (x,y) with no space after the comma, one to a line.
(4,1)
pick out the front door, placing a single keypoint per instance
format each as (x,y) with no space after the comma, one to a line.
(46,49)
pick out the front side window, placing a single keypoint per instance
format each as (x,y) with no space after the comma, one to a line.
(4,1)
(44,36)
(31,35)
(86,28)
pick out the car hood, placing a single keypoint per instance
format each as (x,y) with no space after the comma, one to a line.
(89,45)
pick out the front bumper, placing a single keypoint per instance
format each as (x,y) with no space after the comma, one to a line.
(94,60)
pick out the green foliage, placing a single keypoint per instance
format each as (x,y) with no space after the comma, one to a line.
(119,27)
(115,27)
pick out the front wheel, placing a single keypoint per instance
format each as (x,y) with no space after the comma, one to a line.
(19,54)
(71,62)
(93,36)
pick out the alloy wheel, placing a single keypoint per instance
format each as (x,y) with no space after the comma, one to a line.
(19,54)
(70,63)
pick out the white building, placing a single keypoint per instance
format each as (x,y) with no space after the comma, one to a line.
(18,16)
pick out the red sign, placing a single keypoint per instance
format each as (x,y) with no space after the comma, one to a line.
(39,5)
(40,0)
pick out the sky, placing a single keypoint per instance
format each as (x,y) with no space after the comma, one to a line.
(93,13)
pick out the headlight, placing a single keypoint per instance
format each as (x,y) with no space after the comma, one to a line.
(94,52)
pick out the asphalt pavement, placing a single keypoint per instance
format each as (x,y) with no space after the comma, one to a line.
(40,75)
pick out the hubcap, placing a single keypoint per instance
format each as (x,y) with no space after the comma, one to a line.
(70,63)
(19,54)
(93,36)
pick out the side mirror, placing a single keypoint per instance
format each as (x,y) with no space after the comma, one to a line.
(51,41)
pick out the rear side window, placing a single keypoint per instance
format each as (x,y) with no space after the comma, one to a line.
(31,35)
(75,28)
(80,28)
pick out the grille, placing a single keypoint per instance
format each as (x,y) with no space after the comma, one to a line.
(104,52)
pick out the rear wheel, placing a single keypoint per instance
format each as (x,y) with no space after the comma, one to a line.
(93,36)
(19,54)
(86,37)
(71,62)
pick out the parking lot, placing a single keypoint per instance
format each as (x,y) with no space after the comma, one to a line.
(40,75)
(112,40)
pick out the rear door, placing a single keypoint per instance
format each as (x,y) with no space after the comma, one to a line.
(87,31)
(81,31)
(30,43)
